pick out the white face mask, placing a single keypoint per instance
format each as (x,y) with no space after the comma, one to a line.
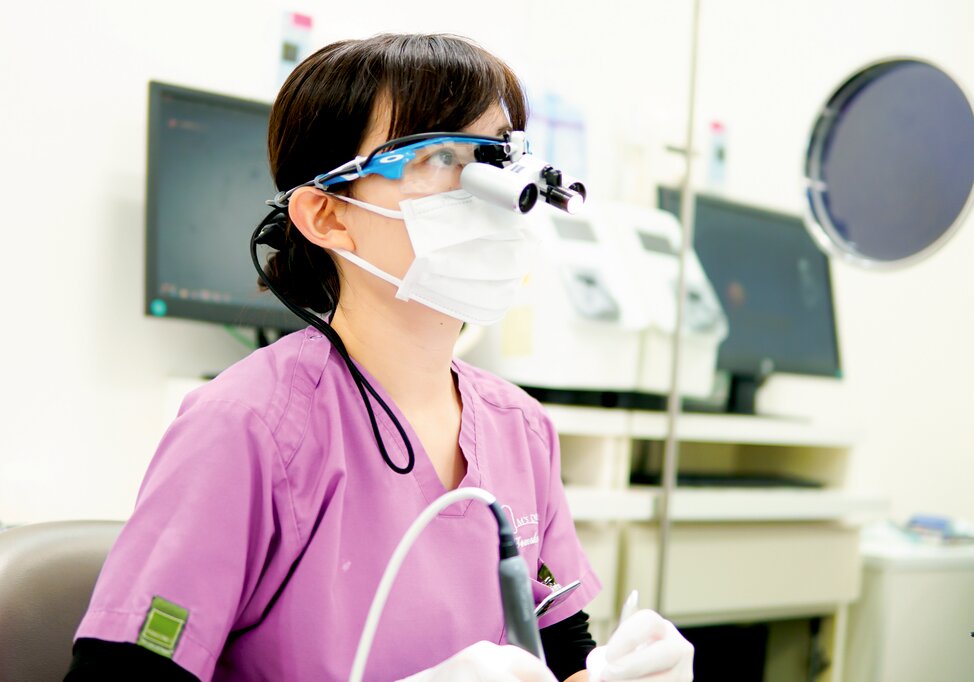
(471,256)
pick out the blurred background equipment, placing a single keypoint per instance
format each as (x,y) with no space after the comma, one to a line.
(598,313)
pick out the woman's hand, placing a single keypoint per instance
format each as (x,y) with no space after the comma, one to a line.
(487,662)
(645,648)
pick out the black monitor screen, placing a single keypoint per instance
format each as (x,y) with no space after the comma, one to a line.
(774,284)
(207,180)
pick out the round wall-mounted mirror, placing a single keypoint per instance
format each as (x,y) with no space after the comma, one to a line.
(890,165)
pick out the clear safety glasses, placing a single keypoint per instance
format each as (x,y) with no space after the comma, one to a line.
(424,164)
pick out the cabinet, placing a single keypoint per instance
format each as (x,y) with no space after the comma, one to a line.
(736,554)
(914,615)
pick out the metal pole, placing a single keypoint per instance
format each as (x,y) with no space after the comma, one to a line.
(671,451)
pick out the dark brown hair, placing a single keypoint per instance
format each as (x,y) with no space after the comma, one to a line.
(432,83)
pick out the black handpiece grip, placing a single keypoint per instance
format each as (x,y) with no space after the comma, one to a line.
(519,618)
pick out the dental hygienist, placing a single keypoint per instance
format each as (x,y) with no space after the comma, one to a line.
(278,494)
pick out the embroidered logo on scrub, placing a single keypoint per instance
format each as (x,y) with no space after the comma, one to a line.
(163,625)
(518,522)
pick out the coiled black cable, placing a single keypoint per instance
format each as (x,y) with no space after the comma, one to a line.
(270,232)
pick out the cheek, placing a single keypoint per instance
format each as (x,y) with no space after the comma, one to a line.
(379,191)
(383,242)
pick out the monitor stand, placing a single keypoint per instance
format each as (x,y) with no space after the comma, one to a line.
(743,392)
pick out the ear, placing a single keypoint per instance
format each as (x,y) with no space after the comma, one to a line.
(318,217)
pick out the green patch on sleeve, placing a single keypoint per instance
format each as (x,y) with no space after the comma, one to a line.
(163,625)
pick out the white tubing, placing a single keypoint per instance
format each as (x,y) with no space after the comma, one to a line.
(392,569)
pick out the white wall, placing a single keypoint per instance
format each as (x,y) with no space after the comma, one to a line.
(906,336)
(84,372)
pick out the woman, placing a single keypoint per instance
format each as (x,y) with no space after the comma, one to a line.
(276,497)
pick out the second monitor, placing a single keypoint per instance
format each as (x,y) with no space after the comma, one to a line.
(775,287)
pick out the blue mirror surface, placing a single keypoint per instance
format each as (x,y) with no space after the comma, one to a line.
(890,164)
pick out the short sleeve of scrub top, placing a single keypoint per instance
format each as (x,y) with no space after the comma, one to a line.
(275,460)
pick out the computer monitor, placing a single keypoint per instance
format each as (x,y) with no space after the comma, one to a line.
(207,179)
(775,287)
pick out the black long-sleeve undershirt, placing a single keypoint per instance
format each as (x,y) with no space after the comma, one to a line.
(96,659)
(566,644)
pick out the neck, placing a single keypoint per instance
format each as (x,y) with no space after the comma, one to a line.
(407,347)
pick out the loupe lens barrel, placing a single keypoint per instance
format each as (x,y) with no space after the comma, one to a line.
(577,186)
(567,200)
(500,187)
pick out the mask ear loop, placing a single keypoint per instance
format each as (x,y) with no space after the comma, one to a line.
(270,231)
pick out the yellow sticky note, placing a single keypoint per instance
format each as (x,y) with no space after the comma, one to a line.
(517,332)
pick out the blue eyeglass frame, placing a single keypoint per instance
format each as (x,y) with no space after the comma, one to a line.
(387,160)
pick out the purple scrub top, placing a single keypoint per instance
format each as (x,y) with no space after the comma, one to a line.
(256,455)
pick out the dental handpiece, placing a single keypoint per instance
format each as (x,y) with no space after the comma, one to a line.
(516,597)
(518,602)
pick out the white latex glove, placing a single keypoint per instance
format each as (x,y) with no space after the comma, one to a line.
(645,648)
(487,662)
